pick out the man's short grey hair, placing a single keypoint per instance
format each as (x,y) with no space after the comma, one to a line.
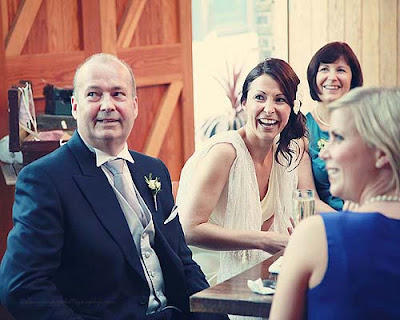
(376,114)
(103,58)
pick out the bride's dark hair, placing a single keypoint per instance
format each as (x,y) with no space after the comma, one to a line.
(288,81)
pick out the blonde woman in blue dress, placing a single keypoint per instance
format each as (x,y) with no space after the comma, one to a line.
(235,193)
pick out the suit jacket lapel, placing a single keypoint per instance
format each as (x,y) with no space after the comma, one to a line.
(138,173)
(95,187)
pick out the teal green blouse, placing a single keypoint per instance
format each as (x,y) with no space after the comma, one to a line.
(318,138)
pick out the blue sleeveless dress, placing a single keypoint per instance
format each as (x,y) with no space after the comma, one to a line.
(317,138)
(362,280)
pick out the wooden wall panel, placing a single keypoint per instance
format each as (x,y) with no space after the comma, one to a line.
(169,152)
(108,27)
(370,41)
(55,32)
(300,45)
(4,19)
(370,27)
(149,98)
(187,120)
(62,26)
(319,25)
(24,22)
(398,44)
(129,21)
(91,27)
(157,26)
(388,38)
(352,36)
(71,25)
(6,192)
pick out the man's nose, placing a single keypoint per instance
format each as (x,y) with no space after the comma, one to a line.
(107,103)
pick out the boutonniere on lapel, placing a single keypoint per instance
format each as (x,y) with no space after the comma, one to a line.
(155,187)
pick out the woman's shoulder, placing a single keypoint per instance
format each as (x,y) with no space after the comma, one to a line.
(223,151)
(227,144)
(311,123)
(232,136)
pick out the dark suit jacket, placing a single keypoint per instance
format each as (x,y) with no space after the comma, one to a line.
(70,254)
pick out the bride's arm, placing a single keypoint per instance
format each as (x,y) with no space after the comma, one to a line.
(207,185)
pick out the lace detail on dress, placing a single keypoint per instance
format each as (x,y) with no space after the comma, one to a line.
(243,209)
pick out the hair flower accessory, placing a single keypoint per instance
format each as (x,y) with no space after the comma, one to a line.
(155,187)
(296,106)
(297,101)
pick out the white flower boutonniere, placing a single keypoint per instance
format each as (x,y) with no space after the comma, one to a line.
(155,187)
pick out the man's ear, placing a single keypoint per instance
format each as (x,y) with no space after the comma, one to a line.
(74,105)
(135,107)
(380,159)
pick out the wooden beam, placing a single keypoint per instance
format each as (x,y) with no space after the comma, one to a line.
(56,68)
(185,26)
(129,23)
(4,18)
(91,27)
(19,32)
(108,26)
(163,119)
(154,65)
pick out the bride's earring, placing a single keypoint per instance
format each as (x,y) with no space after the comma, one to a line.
(381,162)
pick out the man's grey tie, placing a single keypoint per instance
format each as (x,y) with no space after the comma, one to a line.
(116,167)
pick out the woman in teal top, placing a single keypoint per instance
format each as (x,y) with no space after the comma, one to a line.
(332,72)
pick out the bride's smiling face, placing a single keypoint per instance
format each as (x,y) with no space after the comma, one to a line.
(267,108)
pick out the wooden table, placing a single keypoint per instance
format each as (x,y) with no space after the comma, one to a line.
(233,296)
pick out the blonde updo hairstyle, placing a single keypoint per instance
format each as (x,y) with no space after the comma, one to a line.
(376,114)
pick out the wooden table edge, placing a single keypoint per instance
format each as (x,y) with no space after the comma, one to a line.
(210,300)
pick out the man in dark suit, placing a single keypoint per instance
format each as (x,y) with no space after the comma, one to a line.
(86,245)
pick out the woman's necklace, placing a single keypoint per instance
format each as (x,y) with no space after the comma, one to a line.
(320,119)
(382,197)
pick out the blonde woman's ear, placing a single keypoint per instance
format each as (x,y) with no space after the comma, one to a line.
(381,159)
(380,162)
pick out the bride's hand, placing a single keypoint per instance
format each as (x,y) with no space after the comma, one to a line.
(291,228)
(274,242)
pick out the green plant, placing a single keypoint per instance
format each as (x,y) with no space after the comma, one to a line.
(231,82)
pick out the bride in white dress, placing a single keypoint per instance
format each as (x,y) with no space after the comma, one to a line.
(234,196)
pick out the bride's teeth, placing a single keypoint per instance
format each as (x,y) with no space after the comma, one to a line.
(267,122)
